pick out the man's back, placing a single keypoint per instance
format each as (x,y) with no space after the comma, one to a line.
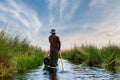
(54,42)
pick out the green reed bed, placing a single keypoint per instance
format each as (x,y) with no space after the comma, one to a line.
(75,55)
(94,55)
(111,57)
(17,54)
(8,47)
(29,61)
(107,57)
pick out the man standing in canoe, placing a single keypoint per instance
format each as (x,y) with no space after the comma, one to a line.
(55,46)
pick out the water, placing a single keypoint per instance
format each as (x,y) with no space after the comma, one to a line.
(71,72)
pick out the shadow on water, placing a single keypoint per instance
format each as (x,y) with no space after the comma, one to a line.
(53,76)
(6,78)
(72,72)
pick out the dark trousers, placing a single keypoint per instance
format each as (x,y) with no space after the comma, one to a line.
(54,57)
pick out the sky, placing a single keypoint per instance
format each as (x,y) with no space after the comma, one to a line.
(76,22)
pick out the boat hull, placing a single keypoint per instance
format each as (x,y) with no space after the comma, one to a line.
(48,67)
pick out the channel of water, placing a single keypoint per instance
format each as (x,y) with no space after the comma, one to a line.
(71,72)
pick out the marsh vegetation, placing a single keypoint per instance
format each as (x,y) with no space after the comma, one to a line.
(17,55)
(106,57)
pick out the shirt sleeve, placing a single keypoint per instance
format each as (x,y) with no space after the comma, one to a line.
(59,43)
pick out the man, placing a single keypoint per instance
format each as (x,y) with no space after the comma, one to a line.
(55,45)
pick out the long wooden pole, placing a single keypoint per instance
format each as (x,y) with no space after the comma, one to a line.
(61,61)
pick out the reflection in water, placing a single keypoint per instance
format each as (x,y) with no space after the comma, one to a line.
(115,77)
(53,76)
(6,78)
(72,72)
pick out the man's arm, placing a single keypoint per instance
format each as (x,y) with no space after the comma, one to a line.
(59,44)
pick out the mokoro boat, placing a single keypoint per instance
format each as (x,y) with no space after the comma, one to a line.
(48,67)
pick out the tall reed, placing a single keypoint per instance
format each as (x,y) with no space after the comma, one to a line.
(107,57)
(17,54)
(32,60)
(94,55)
(76,54)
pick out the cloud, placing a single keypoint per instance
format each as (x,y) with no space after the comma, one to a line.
(63,4)
(74,6)
(20,18)
(104,19)
(3,18)
(100,3)
(107,21)
(51,4)
(62,11)
(51,7)
(68,9)
(29,19)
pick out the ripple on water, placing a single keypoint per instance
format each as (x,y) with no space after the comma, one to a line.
(71,72)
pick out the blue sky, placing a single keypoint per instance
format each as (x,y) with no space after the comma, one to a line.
(76,21)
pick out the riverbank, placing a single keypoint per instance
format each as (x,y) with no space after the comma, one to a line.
(106,57)
(17,55)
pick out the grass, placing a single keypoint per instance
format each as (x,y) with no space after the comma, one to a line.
(106,57)
(110,53)
(75,55)
(94,57)
(17,55)
(33,60)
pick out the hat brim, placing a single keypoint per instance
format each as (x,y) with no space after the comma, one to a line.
(52,32)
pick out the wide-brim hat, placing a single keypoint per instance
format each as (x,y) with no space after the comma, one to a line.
(52,31)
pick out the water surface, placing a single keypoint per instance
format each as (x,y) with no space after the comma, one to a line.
(71,72)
